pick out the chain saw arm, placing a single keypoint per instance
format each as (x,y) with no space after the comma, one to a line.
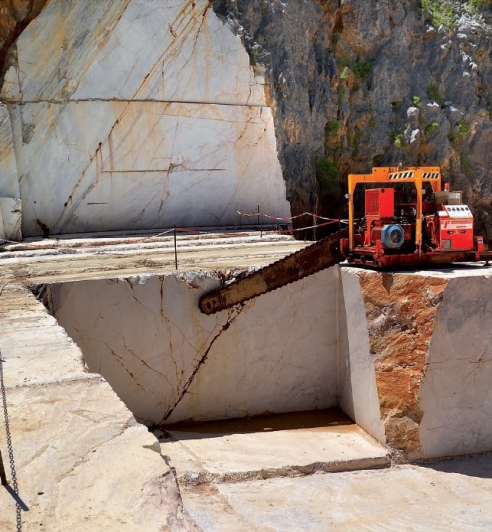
(311,259)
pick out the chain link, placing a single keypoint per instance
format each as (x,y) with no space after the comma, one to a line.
(10,449)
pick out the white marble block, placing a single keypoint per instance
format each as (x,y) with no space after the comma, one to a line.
(10,219)
(169,362)
(138,115)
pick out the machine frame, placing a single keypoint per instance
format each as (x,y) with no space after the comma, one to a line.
(379,257)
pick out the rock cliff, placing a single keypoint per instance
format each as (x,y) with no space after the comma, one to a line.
(351,84)
(356,84)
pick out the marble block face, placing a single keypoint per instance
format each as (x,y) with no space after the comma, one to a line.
(427,338)
(9,179)
(169,362)
(10,219)
(137,115)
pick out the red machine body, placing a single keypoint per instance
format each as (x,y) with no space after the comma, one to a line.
(398,227)
(434,226)
(454,228)
(380,202)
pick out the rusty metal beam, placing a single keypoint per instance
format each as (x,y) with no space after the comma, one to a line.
(307,261)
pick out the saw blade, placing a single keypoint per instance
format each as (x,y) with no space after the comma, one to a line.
(293,267)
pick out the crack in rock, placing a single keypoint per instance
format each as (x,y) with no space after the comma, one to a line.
(230,320)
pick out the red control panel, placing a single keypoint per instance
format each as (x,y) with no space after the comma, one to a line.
(455,228)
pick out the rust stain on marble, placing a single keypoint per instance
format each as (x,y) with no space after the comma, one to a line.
(400,312)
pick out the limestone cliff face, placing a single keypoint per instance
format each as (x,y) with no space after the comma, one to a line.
(351,84)
(360,83)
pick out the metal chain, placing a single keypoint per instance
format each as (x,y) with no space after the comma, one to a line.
(10,449)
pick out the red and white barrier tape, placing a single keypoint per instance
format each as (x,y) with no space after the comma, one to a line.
(285,219)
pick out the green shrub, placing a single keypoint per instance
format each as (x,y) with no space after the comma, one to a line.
(332,128)
(361,70)
(417,101)
(464,128)
(327,175)
(341,93)
(475,6)
(434,93)
(441,12)
(344,59)
(399,141)
(397,138)
(466,164)
(254,55)
(377,160)
(356,137)
(431,128)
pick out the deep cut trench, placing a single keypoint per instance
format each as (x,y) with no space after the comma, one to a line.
(337,338)
(169,363)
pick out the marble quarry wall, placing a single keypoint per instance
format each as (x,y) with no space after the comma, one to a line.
(10,202)
(407,356)
(134,115)
(429,337)
(169,362)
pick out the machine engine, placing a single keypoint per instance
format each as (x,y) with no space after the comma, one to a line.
(408,219)
(381,223)
(445,227)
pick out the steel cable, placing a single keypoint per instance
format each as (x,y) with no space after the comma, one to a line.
(10,448)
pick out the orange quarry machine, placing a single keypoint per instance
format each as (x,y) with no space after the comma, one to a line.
(406,219)
(409,220)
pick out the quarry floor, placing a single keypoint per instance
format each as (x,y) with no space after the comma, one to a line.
(98,256)
(438,496)
(76,447)
(241,476)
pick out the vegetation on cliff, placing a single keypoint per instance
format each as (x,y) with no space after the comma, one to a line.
(358,84)
(355,84)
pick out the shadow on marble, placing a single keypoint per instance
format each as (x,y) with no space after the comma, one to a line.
(477,465)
